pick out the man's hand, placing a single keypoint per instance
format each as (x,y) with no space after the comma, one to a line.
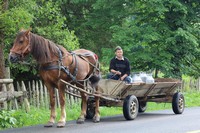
(123,77)
(118,73)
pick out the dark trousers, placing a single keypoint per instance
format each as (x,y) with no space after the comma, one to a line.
(117,77)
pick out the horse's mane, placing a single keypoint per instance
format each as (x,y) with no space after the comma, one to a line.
(42,49)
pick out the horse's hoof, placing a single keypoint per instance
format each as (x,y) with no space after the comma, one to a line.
(96,119)
(80,121)
(49,124)
(60,124)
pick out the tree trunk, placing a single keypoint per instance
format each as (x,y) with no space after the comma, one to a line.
(2,61)
(156,73)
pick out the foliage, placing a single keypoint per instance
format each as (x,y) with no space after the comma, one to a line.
(45,19)
(155,35)
(49,23)
(155,39)
(192,98)
(35,116)
(7,120)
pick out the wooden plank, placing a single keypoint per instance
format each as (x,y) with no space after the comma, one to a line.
(26,102)
(5,105)
(30,92)
(21,98)
(46,97)
(9,95)
(91,94)
(75,95)
(41,94)
(10,102)
(11,87)
(34,93)
(57,98)
(37,95)
(6,81)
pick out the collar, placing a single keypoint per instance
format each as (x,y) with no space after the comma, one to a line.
(118,59)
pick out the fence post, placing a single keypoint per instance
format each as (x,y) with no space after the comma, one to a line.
(37,95)
(46,97)
(11,88)
(27,105)
(57,98)
(34,93)
(71,97)
(21,98)
(41,94)
(5,105)
(30,93)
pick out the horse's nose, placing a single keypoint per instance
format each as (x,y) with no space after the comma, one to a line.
(13,58)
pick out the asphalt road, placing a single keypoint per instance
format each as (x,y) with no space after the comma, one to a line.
(164,121)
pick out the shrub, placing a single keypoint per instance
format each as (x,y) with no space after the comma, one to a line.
(6,119)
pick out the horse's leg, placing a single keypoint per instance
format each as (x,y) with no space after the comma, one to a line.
(52,106)
(96,117)
(62,121)
(81,118)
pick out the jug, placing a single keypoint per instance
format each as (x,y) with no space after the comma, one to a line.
(136,78)
(149,78)
(143,76)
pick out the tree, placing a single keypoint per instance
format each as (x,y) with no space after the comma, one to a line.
(3,8)
(161,35)
(156,35)
(45,19)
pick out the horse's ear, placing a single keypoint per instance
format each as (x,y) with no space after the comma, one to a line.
(22,29)
(27,32)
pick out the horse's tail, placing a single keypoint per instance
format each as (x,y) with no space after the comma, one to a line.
(94,79)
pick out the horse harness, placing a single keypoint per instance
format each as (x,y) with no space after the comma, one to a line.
(65,69)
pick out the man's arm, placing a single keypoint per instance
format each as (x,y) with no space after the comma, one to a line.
(128,69)
(112,67)
(115,72)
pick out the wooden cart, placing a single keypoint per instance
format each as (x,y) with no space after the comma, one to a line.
(134,97)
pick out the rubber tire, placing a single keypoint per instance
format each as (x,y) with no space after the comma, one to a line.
(178,103)
(142,107)
(90,112)
(130,107)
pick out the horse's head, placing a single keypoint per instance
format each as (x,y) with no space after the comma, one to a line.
(21,46)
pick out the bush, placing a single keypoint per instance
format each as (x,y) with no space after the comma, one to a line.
(6,119)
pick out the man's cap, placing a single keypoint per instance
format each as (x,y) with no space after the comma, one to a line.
(118,48)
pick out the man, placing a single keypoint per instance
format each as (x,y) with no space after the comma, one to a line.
(119,67)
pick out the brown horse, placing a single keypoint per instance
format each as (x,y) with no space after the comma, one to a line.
(57,63)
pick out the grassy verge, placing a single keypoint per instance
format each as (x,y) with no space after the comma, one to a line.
(36,116)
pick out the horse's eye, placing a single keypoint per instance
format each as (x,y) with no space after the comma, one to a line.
(20,41)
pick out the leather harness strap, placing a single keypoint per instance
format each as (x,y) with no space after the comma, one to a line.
(73,76)
(60,66)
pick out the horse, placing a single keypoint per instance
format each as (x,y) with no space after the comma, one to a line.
(55,63)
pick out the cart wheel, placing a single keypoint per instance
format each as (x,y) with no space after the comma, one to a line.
(130,107)
(90,112)
(142,107)
(178,103)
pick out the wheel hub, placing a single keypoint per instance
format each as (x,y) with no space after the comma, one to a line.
(133,108)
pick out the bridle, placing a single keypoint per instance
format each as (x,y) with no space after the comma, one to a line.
(22,53)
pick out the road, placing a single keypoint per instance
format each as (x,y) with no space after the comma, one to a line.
(164,121)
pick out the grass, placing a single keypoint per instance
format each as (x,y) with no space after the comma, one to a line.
(41,116)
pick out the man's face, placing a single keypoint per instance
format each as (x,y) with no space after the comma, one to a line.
(119,53)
